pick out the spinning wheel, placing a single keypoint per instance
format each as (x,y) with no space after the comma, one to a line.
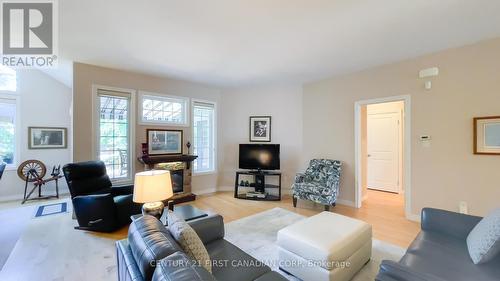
(31,170)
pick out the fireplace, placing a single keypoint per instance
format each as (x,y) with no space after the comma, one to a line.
(177,180)
(180,171)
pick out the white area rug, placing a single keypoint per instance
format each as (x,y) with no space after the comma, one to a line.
(9,234)
(50,249)
(256,235)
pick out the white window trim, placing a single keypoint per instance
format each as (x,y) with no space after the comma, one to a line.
(9,95)
(96,133)
(141,121)
(216,118)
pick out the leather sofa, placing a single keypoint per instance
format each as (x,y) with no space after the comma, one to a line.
(151,253)
(98,205)
(440,252)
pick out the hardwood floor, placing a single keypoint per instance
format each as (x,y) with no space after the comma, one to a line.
(384,211)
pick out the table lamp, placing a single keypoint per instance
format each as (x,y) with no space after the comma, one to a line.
(151,188)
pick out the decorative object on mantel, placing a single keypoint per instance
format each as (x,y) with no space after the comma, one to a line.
(188,144)
(33,171)
(144,148)
(260,128)
(47,138)
(163,142)
(487,135)
(151,188)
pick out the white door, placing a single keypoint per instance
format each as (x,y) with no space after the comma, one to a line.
(383,147)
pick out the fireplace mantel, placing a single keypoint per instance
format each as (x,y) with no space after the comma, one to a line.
(152,160)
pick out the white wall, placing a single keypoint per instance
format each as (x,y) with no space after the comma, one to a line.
(283,102)
(45,102)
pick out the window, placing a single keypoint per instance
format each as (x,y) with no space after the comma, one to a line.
(204,137)
(114,142)
(8,79)
(163,109)
(8,130)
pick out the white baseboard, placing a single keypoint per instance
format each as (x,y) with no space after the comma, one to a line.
(20,197)
(346,202)
(413,217)
(202,191)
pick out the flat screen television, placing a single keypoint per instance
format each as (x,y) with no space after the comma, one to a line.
(259,156)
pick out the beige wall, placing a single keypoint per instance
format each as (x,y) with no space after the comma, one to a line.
(444,173)
(284,104)
(84,76)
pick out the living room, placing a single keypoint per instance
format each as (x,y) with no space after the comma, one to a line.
(233,140)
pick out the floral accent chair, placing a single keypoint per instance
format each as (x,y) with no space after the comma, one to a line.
(320,183)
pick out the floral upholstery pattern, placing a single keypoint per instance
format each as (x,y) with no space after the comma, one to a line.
(320,183)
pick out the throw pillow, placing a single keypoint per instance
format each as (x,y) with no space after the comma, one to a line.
(483,241)
(189,241)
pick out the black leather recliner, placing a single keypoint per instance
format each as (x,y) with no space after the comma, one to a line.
(98,205)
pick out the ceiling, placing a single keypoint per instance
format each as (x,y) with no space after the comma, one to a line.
(245,42)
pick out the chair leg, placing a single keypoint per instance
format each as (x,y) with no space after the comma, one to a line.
(327,208)
(294,199)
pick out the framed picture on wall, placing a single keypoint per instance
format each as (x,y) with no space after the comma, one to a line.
(487,135)
(161,142)
(47,138)
(260,128)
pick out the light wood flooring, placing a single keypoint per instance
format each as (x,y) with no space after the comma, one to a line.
(384,211)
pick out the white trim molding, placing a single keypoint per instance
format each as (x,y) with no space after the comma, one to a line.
(406,149)
(215,144)
(16,98)
(186,109)
(132,124)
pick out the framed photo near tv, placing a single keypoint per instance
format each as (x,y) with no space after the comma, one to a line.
(260,128)
(163,142)
(487,135)
(47,138)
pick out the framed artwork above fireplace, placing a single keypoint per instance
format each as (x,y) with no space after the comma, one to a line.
(163,142)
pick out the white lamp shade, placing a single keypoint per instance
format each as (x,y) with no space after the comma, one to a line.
(152,186)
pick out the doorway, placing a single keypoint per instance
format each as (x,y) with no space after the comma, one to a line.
(382,138)
(382,128)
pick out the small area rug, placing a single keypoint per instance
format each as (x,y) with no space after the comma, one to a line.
(256,235)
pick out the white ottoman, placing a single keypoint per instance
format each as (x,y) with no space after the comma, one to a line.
(326,246)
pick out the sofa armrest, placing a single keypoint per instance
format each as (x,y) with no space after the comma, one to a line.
(209,228)
(449,223)
(122,190)
(393,271)
(95,212)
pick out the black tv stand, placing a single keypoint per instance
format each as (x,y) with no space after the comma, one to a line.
(258,185)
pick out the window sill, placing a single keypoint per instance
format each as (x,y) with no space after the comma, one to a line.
(204,173)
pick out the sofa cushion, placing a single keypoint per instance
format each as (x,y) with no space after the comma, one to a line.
(447,257)
(189,241)
(150,242)
(179,267)
(483,241)
(232,264)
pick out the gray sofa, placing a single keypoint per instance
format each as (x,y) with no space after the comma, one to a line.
(440,252)
(151,253)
